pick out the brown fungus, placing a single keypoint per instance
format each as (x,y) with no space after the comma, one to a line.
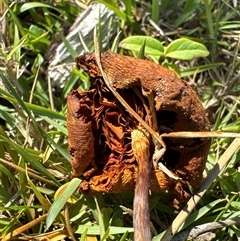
(100,128)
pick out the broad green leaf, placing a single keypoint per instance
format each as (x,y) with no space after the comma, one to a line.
(106,215)
(37,62)
(185,49)
(59,192)
(232,127)
(61,201)
(152,46)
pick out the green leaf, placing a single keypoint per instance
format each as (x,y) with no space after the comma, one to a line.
(232,127)
(155,10)
(61,201)
(37,31)
(95,230)
(189,7)
(15,18)
(141,53)
(185,49)
(45,202)
(29,158)
(118,12)
(134,43)
(105,235)
(227,117)
(56,125)
(124,237)
(199,213)
(27,6)
(173,67)
(84,235)
(17,47)
(100,219)
(199,69)
(69,47)
(25,106)
(4,193)
(193,217)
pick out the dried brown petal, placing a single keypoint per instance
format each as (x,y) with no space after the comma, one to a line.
(81,139)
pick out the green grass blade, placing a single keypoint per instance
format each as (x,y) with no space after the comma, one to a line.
(29,158)
(94,230)
(27,6)
(36,125)
(84,235)
(56,125)
(45,202)
(199,213)
(199,69)
(15,18)
(61,201)
(155,11)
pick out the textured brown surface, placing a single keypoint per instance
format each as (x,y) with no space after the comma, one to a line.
(141,218)
(100,128)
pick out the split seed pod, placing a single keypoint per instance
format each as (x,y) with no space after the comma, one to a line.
(100,128)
